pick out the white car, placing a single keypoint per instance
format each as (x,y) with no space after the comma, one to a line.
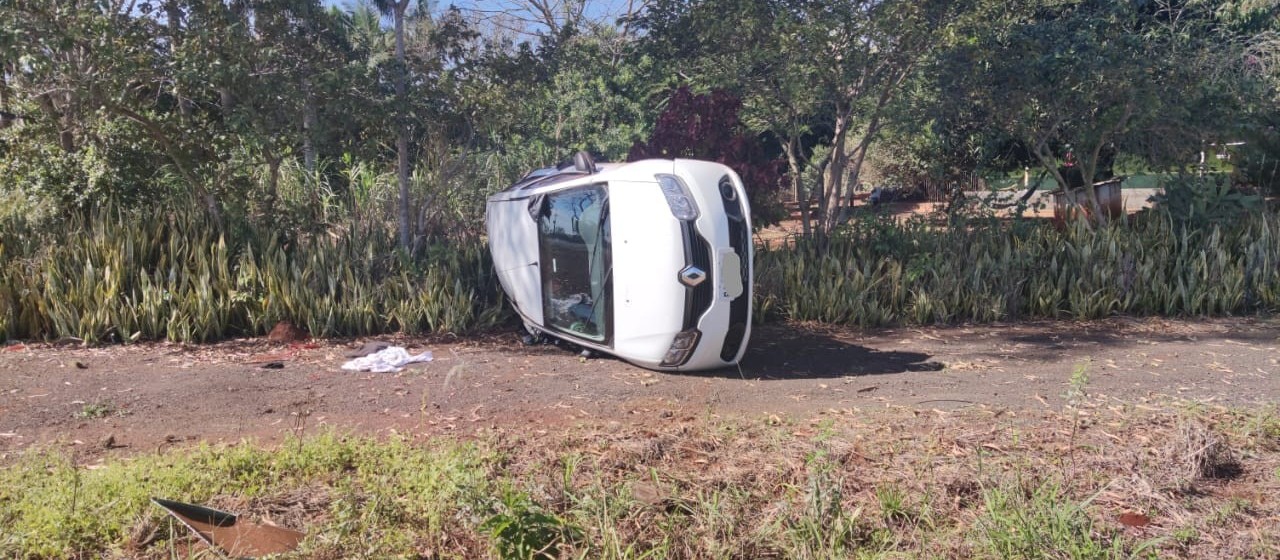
(649,261)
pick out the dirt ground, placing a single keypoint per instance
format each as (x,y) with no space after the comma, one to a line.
(118,400)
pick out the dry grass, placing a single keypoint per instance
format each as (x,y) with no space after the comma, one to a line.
(1134,480)
(1198,452)
(919,483)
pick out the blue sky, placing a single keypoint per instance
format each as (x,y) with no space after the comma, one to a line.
(596,9)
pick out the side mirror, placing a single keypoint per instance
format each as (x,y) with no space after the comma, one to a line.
(582,162)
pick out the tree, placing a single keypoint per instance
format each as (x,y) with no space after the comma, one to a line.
(92,83)
(825,69)
(1094,77)
(707,127)
(396,9)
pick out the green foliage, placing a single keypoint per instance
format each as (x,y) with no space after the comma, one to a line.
(726,491)
(1040,522)
(881,272)
(1205,202)
(523,530)
(114,276)
(813,74)
(96,410)
(52,508)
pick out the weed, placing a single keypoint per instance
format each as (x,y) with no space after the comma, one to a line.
(1077,385)
(720,489)
(824,528)
(1200,452)
(523,530)
(1075,396)
(1042,523)
(893,504)
(96,410)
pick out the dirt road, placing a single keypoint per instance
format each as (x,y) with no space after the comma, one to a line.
(150,396)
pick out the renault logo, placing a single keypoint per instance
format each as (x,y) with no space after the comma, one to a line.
(692,276)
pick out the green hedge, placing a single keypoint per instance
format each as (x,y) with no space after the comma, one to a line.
(116,275)
(881,272)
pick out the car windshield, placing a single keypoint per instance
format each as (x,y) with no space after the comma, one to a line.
(576,261)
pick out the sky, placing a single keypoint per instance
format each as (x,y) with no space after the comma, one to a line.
(595,10)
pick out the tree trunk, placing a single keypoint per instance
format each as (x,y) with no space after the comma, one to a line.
(402,126)
(1088,167)
(6,117)
(792,148)
(273,186)
(833,178)
(240,18)
(308,126)
(855,169)
(66,140)
(819,184)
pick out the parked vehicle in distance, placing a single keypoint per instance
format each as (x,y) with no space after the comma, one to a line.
(650,261)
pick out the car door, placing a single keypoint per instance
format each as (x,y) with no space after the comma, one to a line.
(575,255)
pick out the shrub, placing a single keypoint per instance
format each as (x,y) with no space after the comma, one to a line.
(115,275)
(1202,202)
(879,272)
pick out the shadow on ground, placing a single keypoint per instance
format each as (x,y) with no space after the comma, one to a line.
(788,352)
(1050,341)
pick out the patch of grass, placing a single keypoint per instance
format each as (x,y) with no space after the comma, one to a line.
(96,410)
(893,504)
(1186,536)
(405,494)
(823,527)
(1042,522)
(890,485)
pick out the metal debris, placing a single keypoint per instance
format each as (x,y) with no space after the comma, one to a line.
(226,531)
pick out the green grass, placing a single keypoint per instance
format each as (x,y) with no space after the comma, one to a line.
(1043,523)
(410,495)
(728,489)
(96,410)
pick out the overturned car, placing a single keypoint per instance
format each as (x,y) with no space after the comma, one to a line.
(650,261)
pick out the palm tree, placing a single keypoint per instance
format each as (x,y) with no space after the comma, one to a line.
(364,27)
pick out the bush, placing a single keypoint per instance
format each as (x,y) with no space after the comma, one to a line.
(117,275)
(1202,202)
(880,272)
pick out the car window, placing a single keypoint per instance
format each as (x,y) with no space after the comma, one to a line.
(576,262)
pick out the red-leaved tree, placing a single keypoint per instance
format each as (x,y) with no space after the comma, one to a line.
(707,127)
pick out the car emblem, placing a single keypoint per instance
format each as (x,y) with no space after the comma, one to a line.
(692,276)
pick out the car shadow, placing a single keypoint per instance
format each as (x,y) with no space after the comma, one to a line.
(790,352)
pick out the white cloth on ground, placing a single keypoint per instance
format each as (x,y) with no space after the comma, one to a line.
(388,360)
